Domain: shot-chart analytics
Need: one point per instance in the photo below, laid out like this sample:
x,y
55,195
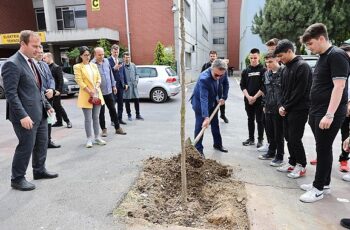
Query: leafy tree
x,y
288,19
73,54
106,45
164,56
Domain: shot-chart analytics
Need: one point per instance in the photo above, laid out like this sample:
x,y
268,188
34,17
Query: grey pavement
x,y
93,181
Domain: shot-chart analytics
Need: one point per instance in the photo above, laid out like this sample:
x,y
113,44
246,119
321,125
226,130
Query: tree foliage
x,y
106,45
288,19
164,56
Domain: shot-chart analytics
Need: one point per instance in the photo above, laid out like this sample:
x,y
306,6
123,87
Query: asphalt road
x,y
92,181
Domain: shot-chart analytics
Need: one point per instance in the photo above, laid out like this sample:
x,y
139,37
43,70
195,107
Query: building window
x,y
187,11
218,0
218,41
188,60
40,19
218,20
80,14
204,32
65,18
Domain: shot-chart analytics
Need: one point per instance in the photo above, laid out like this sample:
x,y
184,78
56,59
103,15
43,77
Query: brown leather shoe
x,y
104,133
120,131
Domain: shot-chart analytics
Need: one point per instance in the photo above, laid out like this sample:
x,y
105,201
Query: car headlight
x,y
65,80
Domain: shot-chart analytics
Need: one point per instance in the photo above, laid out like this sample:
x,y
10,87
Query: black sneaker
x,y
259,144
224,118
248,142
266,156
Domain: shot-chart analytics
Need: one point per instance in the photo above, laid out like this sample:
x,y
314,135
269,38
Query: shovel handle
x,y
200,134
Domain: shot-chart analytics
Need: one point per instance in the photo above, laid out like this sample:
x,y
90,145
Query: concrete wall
x,y
39,3
233,35
219,9
16,16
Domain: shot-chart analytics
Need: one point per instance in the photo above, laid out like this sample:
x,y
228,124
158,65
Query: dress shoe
x,y
122,122
129,118
139,117
22,185
224,118
104,133
120,131
69,125
44,175
52,145
57,125
220,148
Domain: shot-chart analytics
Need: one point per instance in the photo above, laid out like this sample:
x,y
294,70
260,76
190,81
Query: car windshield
x,y
170,71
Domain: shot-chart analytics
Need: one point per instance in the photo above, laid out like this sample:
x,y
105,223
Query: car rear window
x,y
170,71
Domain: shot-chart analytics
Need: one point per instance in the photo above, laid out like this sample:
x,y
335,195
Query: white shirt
x,y
90,72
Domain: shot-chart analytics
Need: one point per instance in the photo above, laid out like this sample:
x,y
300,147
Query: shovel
x,y
197,161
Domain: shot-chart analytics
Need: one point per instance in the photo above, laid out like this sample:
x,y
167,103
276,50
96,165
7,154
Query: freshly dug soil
x,y
215,201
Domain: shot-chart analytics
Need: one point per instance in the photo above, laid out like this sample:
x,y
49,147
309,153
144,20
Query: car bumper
x,y
71,89
174,89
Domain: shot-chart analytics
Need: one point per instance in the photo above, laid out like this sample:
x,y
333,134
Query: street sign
x,y
13,38
95,5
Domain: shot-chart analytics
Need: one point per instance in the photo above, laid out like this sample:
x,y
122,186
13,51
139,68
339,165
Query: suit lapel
x,y
27,68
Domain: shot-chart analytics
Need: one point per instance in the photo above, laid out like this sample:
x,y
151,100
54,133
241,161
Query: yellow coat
x,y
83,80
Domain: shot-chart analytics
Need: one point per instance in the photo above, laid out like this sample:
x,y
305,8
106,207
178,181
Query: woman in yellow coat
x,y
88,78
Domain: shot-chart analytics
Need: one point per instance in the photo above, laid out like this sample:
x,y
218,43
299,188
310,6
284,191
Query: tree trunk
x,y
183,107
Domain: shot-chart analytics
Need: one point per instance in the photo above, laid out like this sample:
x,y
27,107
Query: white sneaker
x,y
264,148
297,172
285,168
99,141
308,187
346,177
311,196
89,143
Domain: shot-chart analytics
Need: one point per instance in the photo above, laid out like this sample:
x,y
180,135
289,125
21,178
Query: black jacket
x,y
57,74
272,90
252,80
206,66
296,84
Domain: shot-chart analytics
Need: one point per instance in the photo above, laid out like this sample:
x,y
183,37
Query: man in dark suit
x,y
119,77
48,88
211,89
27,109
57,74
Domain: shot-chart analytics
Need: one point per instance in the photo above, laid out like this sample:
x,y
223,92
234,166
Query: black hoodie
x,y
252,79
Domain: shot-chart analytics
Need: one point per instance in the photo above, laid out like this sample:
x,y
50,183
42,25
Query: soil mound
x,y
215,201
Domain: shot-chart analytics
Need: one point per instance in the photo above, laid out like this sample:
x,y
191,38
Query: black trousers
x,y
119,100
274,129
293,129
30,141
109,102
60,112
255,112
324,142
344,156
222,110
136,104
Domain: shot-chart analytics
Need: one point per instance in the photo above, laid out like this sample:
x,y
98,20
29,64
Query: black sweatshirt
x,y
253,79
296,84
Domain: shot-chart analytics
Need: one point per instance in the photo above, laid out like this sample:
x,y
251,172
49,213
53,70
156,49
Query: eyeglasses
x,y
86,55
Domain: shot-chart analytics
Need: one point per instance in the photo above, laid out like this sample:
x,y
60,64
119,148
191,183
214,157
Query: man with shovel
x,y
210,91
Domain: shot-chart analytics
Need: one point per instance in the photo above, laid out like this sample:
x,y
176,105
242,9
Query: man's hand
x,y
346,146
115,91
27,122
282,111
264,110
49,93
205,123
126,87
251,100
221,101
325,122
50,112
57,93
348,111
116,66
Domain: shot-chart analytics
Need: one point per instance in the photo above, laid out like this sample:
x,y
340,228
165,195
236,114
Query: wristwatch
x,y
329,116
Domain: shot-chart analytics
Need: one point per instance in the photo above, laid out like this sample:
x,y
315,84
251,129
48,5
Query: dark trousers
x,y
293,128
136,104
109,102
344,156
119,100
60,112
255,112
324,141
215,130
29,141
222,110
274,129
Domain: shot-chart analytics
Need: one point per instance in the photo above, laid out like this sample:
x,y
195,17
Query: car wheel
x,y
159,95
2,93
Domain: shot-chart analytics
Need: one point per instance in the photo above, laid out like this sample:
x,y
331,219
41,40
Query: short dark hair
x,y
255,51
283,46
25,35
213,52
270,55
115,47
126,54
272,42
345,47
314,32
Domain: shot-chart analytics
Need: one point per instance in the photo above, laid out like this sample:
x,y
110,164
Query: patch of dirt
x,y
215,201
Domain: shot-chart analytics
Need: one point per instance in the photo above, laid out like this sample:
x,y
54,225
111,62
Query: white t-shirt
x,y
90,72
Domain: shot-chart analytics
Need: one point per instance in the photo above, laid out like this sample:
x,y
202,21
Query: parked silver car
x,y
70,86
311,60
157,82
